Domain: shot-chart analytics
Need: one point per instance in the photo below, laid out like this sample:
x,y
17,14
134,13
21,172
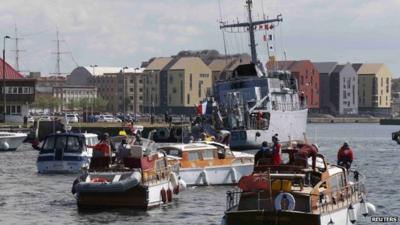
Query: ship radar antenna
x,y
251,26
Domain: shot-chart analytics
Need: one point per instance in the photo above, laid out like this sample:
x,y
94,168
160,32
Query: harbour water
x,y
30,198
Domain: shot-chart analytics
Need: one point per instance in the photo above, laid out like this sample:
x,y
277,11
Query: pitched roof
x,y
338,68
281,65
11,73
356,66
370,68
325,67
186,62
219,64
298,65
101,70
158,63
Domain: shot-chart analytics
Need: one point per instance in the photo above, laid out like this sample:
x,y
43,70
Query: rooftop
x,y
11,73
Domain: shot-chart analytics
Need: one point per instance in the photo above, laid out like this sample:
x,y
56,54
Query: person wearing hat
x,y
345,156
276,150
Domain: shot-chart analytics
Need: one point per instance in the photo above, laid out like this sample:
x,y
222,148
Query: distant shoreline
x,y
332,119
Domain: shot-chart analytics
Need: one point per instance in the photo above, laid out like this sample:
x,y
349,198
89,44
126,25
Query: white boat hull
x,y
289,125
341,216
218,175
11,141
54,167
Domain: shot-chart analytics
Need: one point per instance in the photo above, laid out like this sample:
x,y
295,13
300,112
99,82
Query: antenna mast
x,y
58,54
250,26
17,50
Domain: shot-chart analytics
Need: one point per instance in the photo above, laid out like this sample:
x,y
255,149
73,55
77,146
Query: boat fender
x,y
287,196
371,209
233,175
204,177
182,184
174,180
4,145
169,195
73,190
163,195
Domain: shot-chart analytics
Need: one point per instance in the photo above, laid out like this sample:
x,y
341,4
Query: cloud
x,y
126,32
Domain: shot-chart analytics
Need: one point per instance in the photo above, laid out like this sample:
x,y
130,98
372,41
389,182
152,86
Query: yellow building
x,y
189,82
153,76
374,88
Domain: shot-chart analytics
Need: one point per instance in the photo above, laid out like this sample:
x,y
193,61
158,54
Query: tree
x,y
99,104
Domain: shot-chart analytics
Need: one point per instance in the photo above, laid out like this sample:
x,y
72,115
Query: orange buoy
x,y
169,194
163,195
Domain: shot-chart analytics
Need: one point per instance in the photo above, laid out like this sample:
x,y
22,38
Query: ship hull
x,y
289,125
262,217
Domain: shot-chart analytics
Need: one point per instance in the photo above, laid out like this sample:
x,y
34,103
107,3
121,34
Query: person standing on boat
x,y
123,151
276,150
264,152
345,156
306,151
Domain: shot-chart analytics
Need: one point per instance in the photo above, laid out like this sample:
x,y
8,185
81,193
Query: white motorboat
x,y
146,179
10,141
65,152
210,163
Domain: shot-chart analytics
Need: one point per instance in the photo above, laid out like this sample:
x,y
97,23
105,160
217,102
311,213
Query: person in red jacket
x,y
345,156
276,150
306,151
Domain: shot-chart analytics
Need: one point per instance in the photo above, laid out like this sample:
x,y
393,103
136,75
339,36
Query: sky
x,y
127,32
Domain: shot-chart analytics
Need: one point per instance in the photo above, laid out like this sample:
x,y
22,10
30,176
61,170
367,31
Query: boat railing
x,y
329,200
158,175
264,200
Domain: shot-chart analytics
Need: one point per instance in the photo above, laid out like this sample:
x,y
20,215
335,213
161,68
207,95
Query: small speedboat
x,y
10,141
65,152
210,163
146,179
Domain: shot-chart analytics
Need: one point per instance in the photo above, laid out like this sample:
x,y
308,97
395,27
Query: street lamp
x,y
124,89
93,66
4,77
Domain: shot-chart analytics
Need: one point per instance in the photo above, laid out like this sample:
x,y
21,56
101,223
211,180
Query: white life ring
x,y
284,195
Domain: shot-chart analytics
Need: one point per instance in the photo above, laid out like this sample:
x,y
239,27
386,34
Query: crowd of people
x,y
302,152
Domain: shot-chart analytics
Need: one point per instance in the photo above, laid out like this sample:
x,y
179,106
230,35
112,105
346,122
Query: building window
x,y
174,90
190,82
188,99
182,92
131,81
200,86
171,79
140,89
131,89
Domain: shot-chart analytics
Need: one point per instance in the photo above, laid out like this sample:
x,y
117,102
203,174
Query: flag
x,y
199,112
266,26
204,108
271,27
270,37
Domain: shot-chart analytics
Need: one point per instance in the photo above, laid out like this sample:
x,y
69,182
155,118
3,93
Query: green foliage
x,y
396,85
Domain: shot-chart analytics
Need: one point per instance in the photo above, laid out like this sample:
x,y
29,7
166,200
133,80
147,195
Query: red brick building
x,y
307,76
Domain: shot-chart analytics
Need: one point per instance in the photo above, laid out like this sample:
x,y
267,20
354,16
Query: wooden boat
x,y
65,152
146,179
291,194
210,163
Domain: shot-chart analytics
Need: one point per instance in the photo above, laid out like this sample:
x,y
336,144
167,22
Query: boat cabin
x,y
65,146
327,188
196,155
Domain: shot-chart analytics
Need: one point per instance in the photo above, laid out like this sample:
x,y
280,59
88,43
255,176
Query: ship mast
x,y
250,26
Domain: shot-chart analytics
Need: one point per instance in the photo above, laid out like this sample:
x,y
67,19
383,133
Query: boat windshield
x,y
49,144
73,144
